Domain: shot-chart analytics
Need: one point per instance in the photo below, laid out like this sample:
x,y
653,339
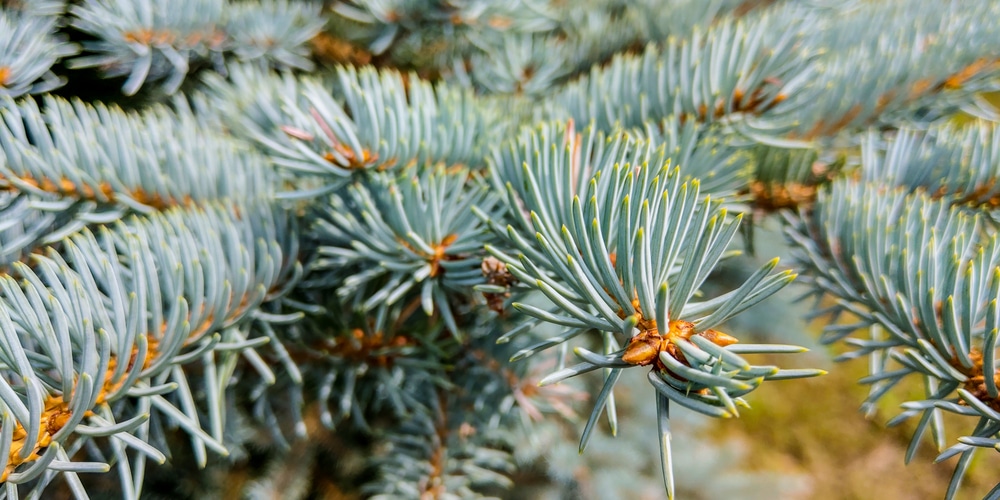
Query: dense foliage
x,y
390,248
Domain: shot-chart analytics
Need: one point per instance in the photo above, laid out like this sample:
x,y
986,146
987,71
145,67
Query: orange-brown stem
x,y
103,193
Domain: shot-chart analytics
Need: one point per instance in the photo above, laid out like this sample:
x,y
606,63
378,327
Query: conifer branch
x,y
389,236
178,301
139,308
75,164
24,227
358,120
621,246
925,71
922,278
414,25
35,7
29,47
517,47
732,69
471,421
140,161
959,163
713,155
448,459
526,65
151,41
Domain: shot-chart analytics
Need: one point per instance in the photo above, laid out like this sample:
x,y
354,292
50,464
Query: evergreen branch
x,y
151,41
273,32
529,65
389,239
431,456
360,366
102,162
584,36
457,442
29,47
592,241
148,41
716,157
866,245
925,273
734,68
449,404
682,17
633,270
362,119
416,24
516,47
960,163
24,227
702,153
923,72
35,7
102,331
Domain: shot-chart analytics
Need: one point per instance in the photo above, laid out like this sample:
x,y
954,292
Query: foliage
x,y
257,255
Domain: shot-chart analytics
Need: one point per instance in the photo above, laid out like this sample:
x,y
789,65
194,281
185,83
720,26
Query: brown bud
x,y
643,349
718,338
496,272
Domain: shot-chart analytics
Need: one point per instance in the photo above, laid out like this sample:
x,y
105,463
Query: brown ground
x,y
813,427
